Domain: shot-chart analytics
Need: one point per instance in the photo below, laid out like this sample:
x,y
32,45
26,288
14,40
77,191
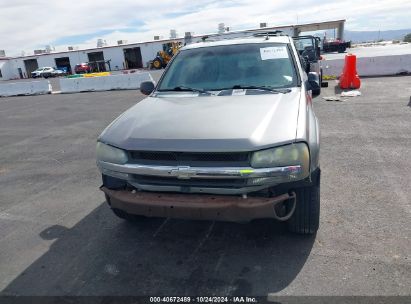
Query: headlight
x,y
290,155
110,154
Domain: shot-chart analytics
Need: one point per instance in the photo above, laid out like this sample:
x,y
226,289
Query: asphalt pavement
x,y
58,236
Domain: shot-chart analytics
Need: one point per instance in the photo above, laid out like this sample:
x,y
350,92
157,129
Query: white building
x,y
131,56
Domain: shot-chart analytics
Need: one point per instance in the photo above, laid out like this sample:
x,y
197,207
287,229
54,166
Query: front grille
x,y
193,182
224,159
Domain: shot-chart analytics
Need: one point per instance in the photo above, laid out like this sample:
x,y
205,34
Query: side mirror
x,y
313,84
146,87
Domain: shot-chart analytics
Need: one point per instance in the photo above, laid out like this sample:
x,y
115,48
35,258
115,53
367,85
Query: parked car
x,y
60,72
47,72
229,133
41,72
54,72
82,68
335,45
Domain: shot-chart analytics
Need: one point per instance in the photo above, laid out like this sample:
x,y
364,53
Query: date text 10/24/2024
x,y
205,299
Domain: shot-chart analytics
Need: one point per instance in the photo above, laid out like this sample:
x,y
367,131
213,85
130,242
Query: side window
x,y
1,75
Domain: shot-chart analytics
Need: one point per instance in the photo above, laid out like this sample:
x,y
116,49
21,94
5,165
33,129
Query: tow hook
x,y
291,197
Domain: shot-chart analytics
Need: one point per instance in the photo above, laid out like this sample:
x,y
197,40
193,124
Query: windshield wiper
x,y
263,88
184,88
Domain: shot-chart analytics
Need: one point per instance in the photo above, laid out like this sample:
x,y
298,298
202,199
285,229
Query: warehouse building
x,y
135,55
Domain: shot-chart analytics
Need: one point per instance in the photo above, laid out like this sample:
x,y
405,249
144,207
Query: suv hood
x,y
188,122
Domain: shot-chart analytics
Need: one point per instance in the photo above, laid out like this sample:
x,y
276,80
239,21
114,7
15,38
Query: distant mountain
x,y
369,36
366,36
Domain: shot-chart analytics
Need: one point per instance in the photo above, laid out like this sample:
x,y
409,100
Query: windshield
x,y
304,44
227,66
39,69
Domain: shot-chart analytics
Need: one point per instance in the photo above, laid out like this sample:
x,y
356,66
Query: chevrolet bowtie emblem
x,y
183,172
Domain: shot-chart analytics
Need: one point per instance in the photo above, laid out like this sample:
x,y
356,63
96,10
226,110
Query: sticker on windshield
x,y
273,52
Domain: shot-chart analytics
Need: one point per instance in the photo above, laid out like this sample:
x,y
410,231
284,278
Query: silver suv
x,y
228,133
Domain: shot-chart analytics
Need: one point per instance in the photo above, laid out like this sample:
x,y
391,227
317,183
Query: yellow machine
x,y
164,56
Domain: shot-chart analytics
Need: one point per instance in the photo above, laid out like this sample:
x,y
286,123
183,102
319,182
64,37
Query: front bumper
x,y
198,206
256,179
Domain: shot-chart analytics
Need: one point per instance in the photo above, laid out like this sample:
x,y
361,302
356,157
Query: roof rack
x,y
270,33
212,38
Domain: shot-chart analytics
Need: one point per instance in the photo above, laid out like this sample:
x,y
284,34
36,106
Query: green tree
x,y
407,38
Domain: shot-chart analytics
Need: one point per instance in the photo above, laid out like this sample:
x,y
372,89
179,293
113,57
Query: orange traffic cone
x,y
349,78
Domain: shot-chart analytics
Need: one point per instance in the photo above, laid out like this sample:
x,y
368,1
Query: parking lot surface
x,y
58,237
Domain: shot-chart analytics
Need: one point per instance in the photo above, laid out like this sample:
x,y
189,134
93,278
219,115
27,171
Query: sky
x,y
26,25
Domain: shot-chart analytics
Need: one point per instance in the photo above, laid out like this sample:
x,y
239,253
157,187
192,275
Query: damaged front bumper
x,y
200,206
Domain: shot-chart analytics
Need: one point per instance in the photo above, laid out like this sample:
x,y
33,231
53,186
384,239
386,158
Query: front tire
x,y
157,64
306,217
341,49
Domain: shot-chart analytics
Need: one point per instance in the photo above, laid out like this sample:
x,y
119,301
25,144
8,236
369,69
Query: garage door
x,y
63,63
132,58
30,65
96,60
